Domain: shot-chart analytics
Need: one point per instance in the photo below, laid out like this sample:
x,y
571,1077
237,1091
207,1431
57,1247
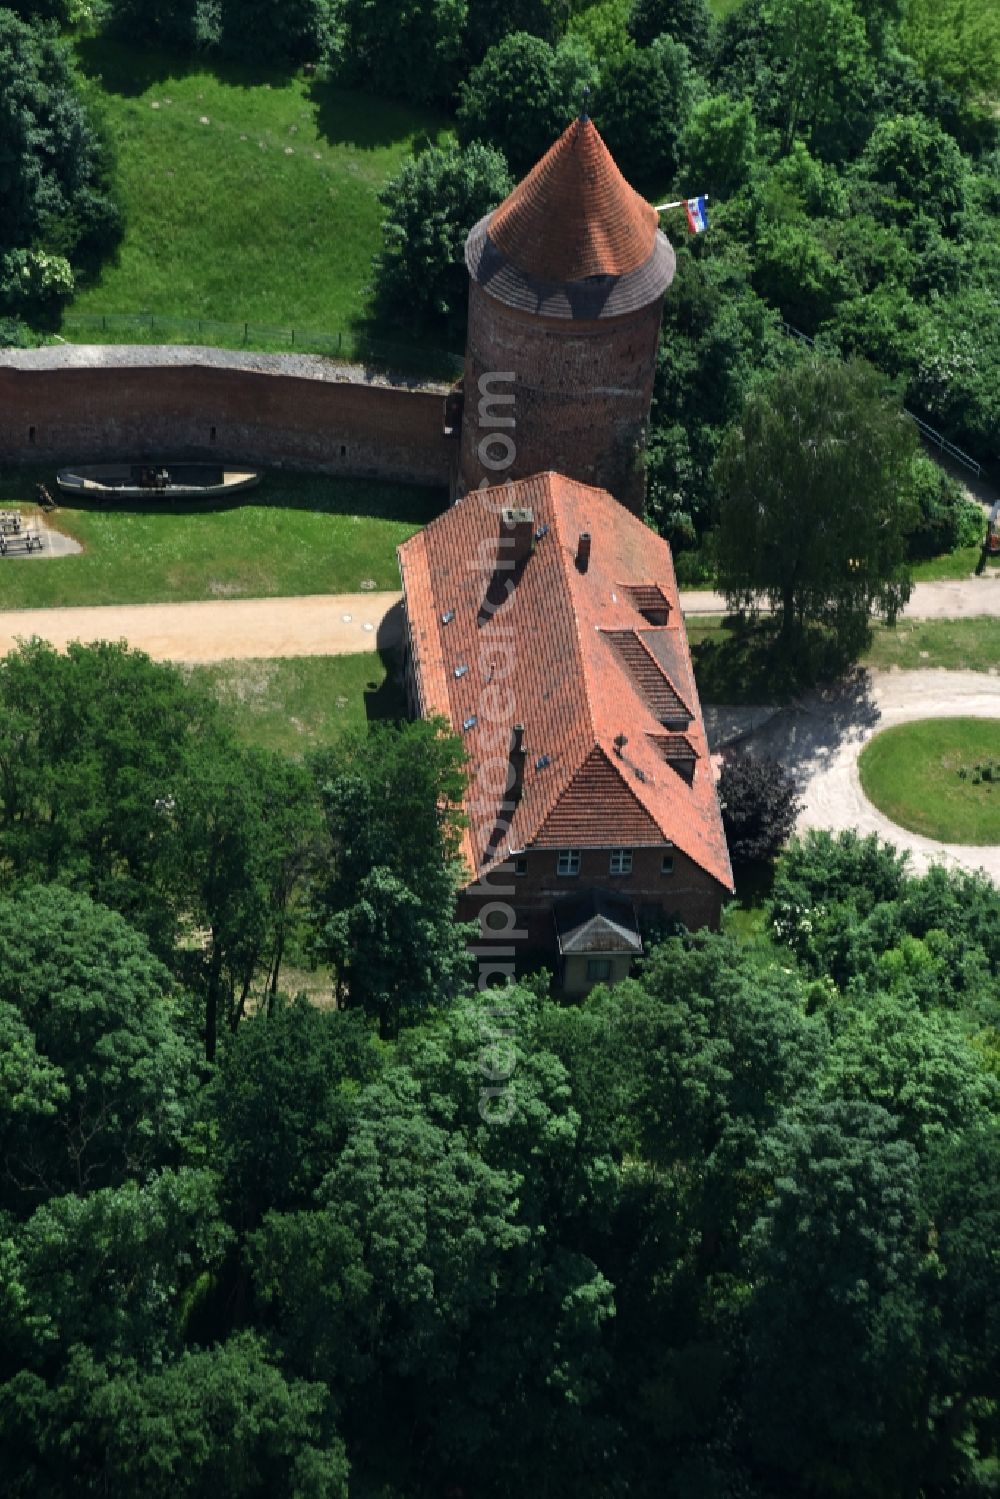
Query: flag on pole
x,y
697,215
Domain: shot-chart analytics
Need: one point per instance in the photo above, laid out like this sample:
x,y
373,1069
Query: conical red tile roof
x,y
574,215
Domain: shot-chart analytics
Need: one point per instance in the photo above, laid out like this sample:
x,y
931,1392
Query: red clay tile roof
x,y
574,215
545,657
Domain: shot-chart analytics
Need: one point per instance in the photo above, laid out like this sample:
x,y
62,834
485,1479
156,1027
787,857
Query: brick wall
x,y
192,410
581,395
688,893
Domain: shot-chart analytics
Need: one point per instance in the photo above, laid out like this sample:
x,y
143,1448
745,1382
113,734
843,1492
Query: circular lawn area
x,y
937,776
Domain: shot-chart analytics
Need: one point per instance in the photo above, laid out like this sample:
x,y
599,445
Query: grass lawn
x,y
957,644
301,703
732,668
247,195
295,534
958,564
911,773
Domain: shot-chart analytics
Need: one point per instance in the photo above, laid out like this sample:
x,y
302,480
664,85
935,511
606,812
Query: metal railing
x,y
345,344
929,433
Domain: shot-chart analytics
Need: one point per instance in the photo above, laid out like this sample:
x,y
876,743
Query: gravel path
x,y
820,737
223,629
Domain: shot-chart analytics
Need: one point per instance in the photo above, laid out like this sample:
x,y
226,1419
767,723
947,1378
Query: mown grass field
x,y
301,703
296,534
911,773
247,195
731,668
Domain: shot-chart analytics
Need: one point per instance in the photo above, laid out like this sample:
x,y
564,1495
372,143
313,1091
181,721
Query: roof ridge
x,y
556,524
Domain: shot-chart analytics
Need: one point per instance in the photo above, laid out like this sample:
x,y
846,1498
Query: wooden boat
x,y
156,481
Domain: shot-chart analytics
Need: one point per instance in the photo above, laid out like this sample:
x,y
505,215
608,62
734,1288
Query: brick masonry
x,y
294,412
582,392
688,893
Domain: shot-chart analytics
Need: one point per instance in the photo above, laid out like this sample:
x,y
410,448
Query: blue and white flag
x,y
697,215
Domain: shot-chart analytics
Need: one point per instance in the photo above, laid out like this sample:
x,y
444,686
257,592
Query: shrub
x,y
419,274
759,807
947,519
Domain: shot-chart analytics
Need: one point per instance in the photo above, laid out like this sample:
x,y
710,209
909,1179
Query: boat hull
x,y
157,482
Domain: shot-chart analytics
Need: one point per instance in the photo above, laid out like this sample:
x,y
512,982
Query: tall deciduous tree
x,y
419,274
835,1323
53,168
641,108
96,1074
957,42
523,95
392,800
816,502
411,49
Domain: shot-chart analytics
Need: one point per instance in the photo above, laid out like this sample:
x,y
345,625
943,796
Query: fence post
x,y
293,338
246,332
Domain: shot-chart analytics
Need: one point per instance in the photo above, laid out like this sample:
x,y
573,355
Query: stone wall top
x,y
161,356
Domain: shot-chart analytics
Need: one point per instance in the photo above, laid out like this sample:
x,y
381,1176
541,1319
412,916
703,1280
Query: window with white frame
x,y
667,864
621,861
568,861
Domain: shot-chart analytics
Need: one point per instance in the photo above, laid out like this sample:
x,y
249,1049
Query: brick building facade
x,y
543,623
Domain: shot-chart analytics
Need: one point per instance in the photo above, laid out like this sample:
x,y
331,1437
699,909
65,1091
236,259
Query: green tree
x,y
919,168
718,146
243,829
816,504
409,49
492,20
956,42
283,1098
282,30
522,96
97,1080
419,274
179,25
221,1422
641,108
392,800
963,1219
687,21
53,168
837,1268
112,1270
827,63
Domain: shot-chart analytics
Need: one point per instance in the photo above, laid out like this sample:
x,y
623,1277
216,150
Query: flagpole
x,y
681,203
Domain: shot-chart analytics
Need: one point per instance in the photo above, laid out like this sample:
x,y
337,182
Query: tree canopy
x,y
815,504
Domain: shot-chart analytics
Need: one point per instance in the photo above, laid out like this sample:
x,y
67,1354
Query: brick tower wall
x,y
582,392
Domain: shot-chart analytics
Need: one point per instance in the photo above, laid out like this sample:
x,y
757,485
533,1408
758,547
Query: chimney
x,y
517,530
515,767
583,551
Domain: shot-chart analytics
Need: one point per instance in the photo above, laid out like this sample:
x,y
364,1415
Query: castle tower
x,y
567,279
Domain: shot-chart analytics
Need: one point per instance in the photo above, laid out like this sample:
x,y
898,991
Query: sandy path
x,y
318,624
961,598
820,737
223,629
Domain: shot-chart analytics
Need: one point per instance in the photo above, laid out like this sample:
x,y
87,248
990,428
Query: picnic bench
x,y
20,542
